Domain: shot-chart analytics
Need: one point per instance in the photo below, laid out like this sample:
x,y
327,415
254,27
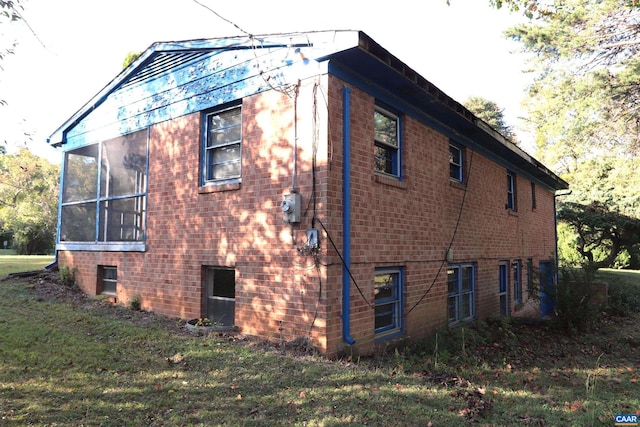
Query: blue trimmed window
x,y
386,142
104,192
511,191
461,305
222,146
388,302
456,165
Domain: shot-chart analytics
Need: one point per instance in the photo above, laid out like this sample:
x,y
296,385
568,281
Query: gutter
x,y
346,217
54,264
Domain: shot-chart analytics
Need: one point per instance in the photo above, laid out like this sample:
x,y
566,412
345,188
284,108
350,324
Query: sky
x,y
71,49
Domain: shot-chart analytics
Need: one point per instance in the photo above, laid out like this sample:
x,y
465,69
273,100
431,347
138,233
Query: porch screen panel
x,y
104,191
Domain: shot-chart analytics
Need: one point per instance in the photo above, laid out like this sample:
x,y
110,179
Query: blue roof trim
x,y
154,70
401,105
373,69
171,79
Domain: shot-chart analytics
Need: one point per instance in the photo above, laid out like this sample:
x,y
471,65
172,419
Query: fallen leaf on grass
x,y
575,406
175,359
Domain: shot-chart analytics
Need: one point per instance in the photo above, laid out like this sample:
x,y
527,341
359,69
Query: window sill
x,y
390,181
461,322
457,184
512,212
387,335
103,247
219,188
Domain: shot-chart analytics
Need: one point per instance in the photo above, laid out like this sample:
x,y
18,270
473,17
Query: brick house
x,y
300,185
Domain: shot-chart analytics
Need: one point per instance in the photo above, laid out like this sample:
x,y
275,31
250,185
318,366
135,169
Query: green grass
x,y
11,263
629,277
78,361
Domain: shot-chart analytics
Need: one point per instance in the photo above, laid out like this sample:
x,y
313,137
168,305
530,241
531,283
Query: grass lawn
x,y
12,263
70,360
630,277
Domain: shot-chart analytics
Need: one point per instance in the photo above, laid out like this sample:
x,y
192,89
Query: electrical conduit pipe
x,y
346,216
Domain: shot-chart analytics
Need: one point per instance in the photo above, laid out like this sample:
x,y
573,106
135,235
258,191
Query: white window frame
x,y
456,293
110,282
456,165
209,149
517,282
512,203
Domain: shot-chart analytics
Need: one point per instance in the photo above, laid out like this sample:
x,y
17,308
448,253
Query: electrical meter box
x,y
291,207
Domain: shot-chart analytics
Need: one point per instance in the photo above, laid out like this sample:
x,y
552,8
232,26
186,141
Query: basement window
x,y
220,295
461,305
107,280
517,282
388,302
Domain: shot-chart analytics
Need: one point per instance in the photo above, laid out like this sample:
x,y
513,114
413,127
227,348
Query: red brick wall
x,y
188,227
410,224
283,294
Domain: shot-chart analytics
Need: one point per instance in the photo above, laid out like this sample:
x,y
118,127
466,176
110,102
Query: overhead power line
x,y
223,18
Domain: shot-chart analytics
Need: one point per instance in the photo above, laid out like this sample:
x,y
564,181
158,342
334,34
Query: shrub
x,y
574,300
624,299
135,303
67,275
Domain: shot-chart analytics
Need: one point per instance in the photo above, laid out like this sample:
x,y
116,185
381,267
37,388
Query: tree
x,y
602,233
536,8
492,114
584,108
586,97
29,201
9,12
130,58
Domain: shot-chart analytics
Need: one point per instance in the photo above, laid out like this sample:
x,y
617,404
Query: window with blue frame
x,y
461,305
104,191
388,302
222,146
456,166
386,142
511,191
